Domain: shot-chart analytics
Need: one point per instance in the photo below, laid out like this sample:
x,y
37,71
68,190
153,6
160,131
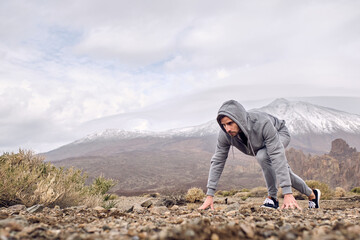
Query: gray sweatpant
x,y
269,172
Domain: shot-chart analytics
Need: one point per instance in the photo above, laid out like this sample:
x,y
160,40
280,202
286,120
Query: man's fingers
x,y
202,207
290,206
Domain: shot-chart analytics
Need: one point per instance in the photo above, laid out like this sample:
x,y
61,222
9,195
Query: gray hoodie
x,y
262,131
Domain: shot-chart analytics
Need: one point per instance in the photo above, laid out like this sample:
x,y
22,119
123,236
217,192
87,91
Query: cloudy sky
x,y
64,63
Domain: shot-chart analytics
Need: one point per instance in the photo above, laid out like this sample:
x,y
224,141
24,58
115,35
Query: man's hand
x,y
290,202
209,202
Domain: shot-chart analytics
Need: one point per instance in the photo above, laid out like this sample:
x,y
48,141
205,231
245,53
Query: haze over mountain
x,y
179,158
198,109
312,128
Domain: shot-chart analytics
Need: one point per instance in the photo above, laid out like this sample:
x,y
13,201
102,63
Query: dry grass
x,y
258,192
194,195
224,193
26,179
339,192
326,192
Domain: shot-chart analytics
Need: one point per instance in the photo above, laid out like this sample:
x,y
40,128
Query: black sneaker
x,y
270,203
315,203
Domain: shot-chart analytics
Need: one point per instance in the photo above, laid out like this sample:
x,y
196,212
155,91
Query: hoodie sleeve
x,y
217,163
276,152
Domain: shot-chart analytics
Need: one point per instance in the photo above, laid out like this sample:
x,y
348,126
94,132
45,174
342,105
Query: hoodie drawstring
x,y
232,147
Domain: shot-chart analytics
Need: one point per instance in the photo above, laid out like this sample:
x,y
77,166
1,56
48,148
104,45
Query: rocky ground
x,y
169,218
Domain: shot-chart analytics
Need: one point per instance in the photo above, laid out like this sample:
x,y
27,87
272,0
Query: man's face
x,y
230,126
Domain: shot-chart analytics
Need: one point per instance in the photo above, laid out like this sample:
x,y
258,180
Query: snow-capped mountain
x,y
301,118
312,128
304,118
209,128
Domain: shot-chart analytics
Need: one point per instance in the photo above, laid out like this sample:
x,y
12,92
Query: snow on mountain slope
x,y
304,118
301,118
206,129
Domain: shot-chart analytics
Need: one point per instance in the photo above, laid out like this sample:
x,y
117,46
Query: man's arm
x,y
217,166
217,163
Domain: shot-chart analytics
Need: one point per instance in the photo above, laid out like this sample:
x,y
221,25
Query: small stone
x,y
3,215
175,207
247,230
17,208
130,209
147,203
290,236
138,209
189,233
35,209
143,235
91,229
231,213
232,207
106,227
159,210
214,236
99,209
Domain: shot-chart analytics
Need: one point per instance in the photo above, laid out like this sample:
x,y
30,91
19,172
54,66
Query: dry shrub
x,y
224,193
26,179
326,192
258,192
192,206
242,195
340,192
194,195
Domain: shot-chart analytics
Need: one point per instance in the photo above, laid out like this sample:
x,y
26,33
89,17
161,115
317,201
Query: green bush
x,y
26,179
355,190
101,185
326,192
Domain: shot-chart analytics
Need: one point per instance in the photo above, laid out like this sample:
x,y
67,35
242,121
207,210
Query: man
x,y
264,136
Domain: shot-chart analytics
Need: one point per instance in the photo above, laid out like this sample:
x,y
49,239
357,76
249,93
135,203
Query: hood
x,y
236,112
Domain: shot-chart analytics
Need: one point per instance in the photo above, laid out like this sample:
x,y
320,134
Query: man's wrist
x,y
210,192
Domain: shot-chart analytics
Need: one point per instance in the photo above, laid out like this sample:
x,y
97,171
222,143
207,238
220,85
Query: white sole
x,y
318,199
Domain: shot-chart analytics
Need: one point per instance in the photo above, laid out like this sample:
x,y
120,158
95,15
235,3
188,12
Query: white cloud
x,y
64,63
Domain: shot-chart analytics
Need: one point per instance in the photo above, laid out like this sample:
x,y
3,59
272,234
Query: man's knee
x,y
262,157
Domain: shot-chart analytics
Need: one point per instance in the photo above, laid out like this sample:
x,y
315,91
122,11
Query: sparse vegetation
x,y
194,195
258,192
101,185
340,192
224,193
244,190
355,190
27,179
326,192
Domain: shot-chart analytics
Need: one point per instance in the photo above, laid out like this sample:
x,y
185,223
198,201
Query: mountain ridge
x,y
302,118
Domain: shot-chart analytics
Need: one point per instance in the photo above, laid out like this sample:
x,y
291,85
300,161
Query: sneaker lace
x,y
268,201
312,204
